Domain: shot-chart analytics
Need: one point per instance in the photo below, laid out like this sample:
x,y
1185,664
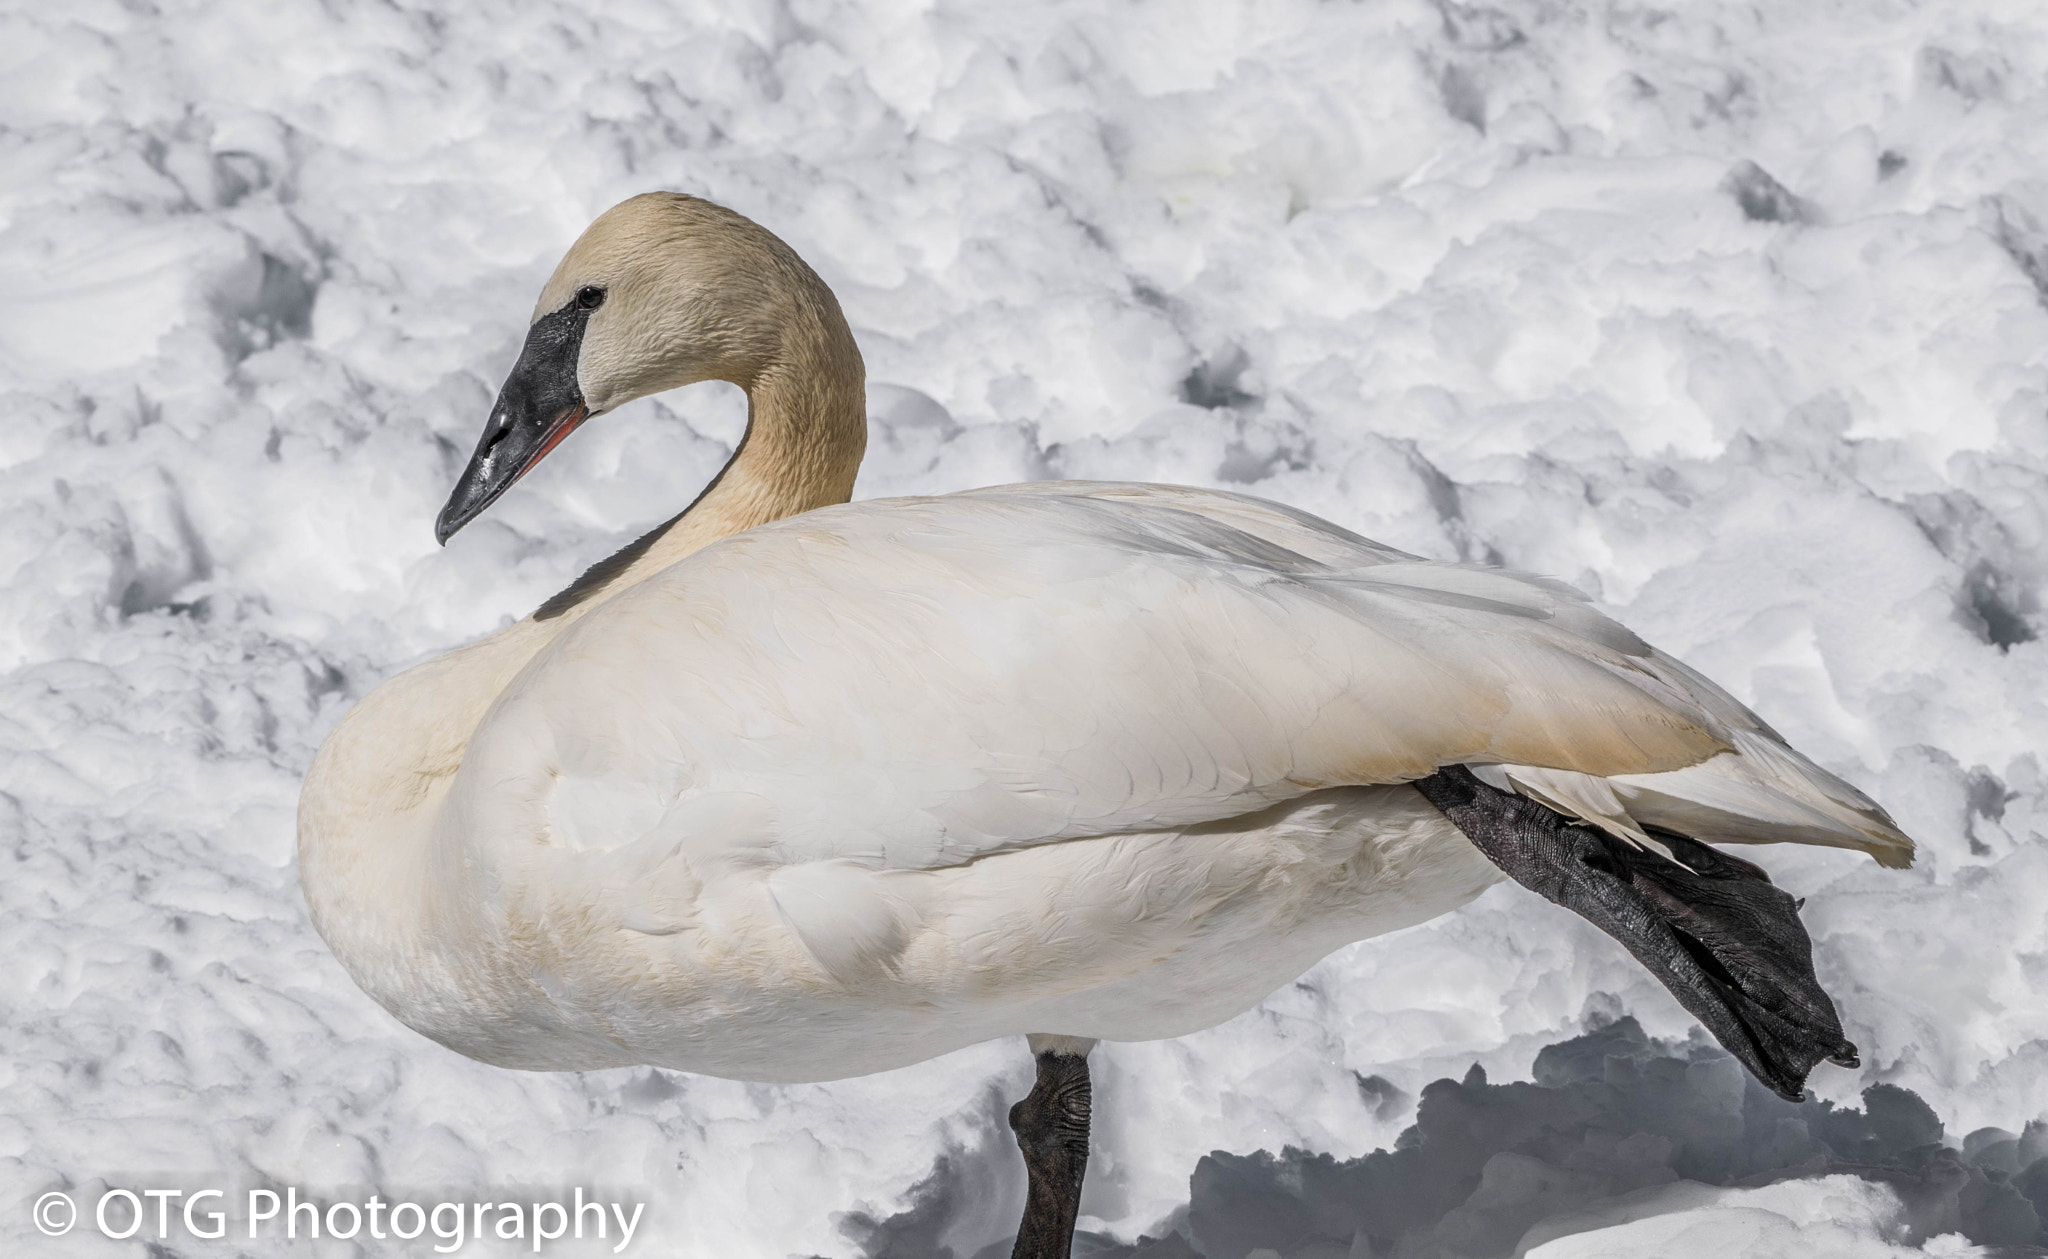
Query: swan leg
x,y
1052,1129
1713,930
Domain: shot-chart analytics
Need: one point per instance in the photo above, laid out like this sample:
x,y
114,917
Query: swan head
x,y
662,290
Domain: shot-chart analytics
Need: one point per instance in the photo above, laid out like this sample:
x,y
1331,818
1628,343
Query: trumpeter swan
x,y
797,789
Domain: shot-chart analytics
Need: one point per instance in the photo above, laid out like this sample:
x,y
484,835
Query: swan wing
x,y
912,684
1758,791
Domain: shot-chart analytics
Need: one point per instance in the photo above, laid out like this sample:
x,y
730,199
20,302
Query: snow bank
x,y
1731,315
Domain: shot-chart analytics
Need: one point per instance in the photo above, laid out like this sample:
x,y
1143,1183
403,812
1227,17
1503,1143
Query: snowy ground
x,y
1731,314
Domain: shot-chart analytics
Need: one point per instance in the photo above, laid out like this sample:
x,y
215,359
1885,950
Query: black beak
x,y
540,404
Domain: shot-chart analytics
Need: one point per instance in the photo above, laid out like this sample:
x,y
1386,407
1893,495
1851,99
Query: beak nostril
x,y
539,404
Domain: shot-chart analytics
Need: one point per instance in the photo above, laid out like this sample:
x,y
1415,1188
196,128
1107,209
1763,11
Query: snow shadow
x,y
1609,1114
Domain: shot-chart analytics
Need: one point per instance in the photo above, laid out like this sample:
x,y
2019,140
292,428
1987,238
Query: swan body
x,y
801,789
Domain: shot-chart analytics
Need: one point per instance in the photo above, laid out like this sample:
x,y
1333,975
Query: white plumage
x,y
817,796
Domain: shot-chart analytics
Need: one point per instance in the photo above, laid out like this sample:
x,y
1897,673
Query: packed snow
x,y
1731,315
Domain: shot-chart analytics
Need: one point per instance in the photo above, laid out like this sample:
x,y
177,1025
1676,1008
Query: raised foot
x,y
1052,1130
1709,926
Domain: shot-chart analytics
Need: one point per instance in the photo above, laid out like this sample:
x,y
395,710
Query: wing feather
x,y
913,684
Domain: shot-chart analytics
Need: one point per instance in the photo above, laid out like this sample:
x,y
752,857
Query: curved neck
x,y
806,432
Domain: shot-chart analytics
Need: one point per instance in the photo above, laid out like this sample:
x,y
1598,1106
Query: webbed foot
x,y
1709,926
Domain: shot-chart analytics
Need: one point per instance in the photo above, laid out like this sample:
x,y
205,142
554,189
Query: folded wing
x,y
913,684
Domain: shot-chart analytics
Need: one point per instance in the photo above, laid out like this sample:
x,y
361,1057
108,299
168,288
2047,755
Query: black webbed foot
x,y
1713,930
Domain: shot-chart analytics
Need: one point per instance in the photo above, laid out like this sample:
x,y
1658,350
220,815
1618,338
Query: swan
x,y
794,788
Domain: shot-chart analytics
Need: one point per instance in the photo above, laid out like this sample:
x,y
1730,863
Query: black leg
x,y
1713,930
1052,1130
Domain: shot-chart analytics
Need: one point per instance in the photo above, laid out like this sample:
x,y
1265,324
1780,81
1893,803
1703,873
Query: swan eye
x,y
590,297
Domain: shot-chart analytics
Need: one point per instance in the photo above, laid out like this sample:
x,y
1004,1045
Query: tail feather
x,y
1762,792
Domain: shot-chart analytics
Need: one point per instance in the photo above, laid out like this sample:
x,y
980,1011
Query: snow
x,y
1731,315
1833,1215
